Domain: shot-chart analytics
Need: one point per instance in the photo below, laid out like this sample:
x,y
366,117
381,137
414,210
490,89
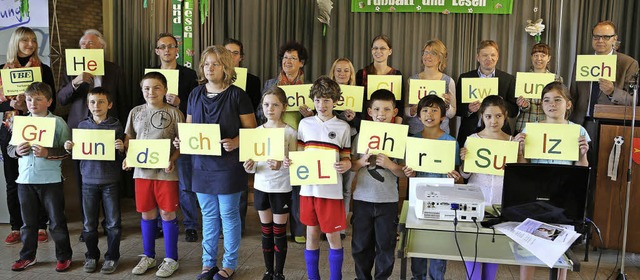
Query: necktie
x,y
595,93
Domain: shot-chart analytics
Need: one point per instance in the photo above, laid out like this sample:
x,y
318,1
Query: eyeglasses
x,y
292,58
602,37
164,47
375,49
431,53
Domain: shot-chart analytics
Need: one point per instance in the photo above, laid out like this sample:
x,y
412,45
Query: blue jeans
x,y
374,238
91,197
437,268
188,199
51,197
220,209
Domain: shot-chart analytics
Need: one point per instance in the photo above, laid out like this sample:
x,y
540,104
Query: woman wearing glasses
x,y
434,61
380,51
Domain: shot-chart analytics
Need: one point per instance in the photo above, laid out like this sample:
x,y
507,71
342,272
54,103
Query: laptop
x,y
549,193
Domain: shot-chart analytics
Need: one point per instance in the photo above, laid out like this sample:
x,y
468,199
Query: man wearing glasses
x,y
586,94
74,93
167,51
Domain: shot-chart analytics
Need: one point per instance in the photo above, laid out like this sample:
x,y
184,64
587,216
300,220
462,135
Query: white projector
x,y
444,202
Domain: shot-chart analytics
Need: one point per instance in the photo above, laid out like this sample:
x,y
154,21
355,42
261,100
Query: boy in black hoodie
x,y
101,181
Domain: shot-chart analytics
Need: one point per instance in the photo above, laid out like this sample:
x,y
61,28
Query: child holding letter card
x,y
431,112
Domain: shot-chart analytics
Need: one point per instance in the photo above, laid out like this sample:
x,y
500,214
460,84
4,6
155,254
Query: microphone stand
x,y
633,85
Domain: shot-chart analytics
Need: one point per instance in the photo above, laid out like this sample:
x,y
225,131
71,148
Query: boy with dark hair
x,y
40,183
322,206
375,199
431,112
101,183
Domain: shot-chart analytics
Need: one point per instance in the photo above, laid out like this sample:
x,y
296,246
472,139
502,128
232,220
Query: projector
x,y
443,202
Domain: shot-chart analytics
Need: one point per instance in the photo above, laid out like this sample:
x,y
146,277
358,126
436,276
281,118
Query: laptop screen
x,y
548,193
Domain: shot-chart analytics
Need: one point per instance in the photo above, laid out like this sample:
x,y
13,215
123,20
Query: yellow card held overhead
x,y
313,167
530,85
476,89
552,141
15,81
172,76
594,67
261,144
200,139
93,144
428,155
297,95
421,88
87,60
35,130
391,82
488,156
241,78
351,98
386,138
149,153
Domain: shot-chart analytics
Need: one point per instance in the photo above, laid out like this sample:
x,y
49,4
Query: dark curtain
x,y
264,25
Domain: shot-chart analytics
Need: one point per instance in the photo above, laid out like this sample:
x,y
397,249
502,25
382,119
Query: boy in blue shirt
x,y
40,183
431,112
101,182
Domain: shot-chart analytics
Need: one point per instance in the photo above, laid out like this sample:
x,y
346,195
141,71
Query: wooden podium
x,y
609,197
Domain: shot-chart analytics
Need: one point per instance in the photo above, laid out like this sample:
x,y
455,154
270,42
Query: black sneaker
x,y
278,276
267,276
191,235
159,234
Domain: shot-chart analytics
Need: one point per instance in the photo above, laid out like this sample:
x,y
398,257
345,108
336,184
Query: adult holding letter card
x,y
15,81
85,60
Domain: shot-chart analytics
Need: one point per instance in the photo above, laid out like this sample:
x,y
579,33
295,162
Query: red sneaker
x,y
43,236
21,265
12,238
63,266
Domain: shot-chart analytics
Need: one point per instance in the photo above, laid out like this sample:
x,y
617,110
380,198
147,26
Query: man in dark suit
x,y
487,56
253,90
586,94
74,93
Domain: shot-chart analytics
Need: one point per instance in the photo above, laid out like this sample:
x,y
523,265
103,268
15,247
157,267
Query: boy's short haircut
x,y
39,88
154,75
325,87
432,100
99,91
383,95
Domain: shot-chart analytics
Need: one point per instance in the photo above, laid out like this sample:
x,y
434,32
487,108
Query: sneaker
x,y
159,234
278,276
12,238
300,239
21,265
167,268
90,265
144,264
109,266
208,274
191,235
43,236
63,266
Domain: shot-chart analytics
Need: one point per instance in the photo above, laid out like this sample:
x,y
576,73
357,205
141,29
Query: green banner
x,y
187,39
433,6
176,26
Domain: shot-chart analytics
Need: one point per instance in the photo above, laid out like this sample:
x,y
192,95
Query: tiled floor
x,y
251,263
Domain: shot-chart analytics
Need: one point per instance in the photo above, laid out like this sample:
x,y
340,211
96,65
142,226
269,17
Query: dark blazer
x,y
253,90
580,91
469,123
112,81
